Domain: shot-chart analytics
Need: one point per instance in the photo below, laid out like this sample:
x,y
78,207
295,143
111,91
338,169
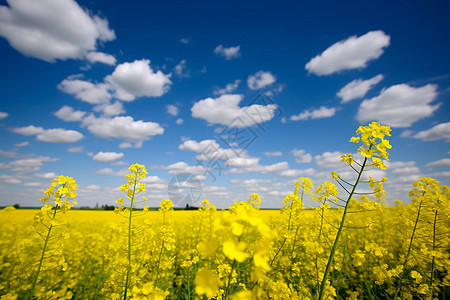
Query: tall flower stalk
x,y
131,189
62,189
373,146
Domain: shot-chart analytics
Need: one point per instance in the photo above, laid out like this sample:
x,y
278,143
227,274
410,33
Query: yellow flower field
x,y
350,246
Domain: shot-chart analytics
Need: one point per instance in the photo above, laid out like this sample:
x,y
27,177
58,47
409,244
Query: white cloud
x,y
437,132
225,109
68,114
10,179
75,149
297,173
441,174
137,79
399,105
93,93
3,115
23,144
243,165
101,57
28,130
185,40
329,160
55,135
275,153
406,170
172,110
181,69
445,162
153,179
179,121
183,168
358,88
107,156
125,145
29,165
322,112
109,171
110,110
228,53
51,30
301,157
210,150
352,53
229,88
242,162
48,175
7,153
123,127
260,80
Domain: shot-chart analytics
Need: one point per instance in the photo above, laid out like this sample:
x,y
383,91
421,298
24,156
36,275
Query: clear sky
x,y
224,97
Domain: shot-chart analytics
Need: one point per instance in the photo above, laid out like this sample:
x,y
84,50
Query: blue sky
x,y
231,97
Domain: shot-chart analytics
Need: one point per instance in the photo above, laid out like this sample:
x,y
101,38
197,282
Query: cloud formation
x,y
228,53
399,105
225,110
358,88
352,53
51,30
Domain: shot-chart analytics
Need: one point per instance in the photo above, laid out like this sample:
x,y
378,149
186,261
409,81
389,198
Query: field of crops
x,y
350,246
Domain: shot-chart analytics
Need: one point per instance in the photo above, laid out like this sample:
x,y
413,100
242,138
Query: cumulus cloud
x,y
399,105
183,168
101,57
48,175
248,165
352,53
437,132
275,153
301,157
358,88
51,30
3,115
181,69
137,79
122,127
93,93
110,109
68,114
75,149
29,165
185,40
109,171
172,110
229,88
107,156
228,53
297,173
445,162
179,121
55,135
329,160
260,80
225,109
210,150
322,112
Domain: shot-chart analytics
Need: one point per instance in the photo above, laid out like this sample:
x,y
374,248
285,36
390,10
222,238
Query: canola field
x,y
350,246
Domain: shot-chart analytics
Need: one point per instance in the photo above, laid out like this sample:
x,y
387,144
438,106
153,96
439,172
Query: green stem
x,y
42,255
229,279
433,262
129,238
341,226
409,249
159,262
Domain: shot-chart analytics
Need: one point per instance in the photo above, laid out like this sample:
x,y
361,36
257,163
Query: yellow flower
x,y
206,283
235,252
